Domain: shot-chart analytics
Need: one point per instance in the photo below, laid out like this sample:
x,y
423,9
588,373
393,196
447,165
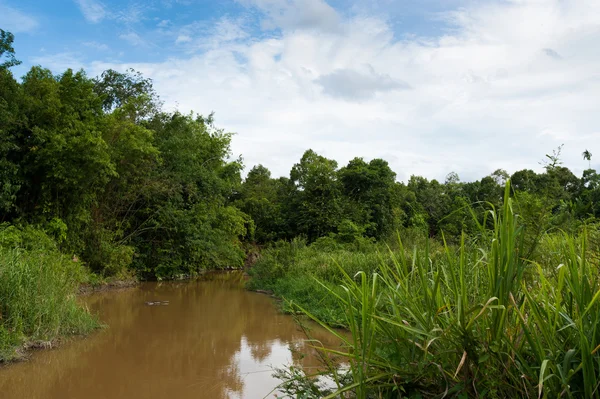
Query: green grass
x,y
477,319
37,299
305,274
291,271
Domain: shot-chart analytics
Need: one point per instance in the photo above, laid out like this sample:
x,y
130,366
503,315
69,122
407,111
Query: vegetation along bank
x,y
486,288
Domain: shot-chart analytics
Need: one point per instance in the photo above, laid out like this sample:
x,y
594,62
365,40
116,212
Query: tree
x,y
588,201
115,220
587,156
452,179
189,223
559,184
432,201
500,176
7,51
95,164
486,191
131,88
319,193
524,180
258,198
370,195
11,117
64,159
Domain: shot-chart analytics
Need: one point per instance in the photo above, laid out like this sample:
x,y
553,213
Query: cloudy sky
x,y
432,86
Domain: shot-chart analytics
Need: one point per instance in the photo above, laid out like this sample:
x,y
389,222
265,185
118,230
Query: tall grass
x,y
289,270
37,299
481,321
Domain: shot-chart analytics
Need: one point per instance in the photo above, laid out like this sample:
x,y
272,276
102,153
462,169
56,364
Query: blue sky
x,y
146,31
109,30
431,86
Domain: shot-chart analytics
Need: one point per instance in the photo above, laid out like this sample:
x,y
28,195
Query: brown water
x,y
213,340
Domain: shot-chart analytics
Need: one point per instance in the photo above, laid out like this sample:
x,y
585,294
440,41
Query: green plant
x,y
37,298
480,321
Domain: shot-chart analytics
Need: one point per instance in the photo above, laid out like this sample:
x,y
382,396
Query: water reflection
x,y
213,340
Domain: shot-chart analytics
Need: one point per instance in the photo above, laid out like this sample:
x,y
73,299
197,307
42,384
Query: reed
x,y
37,300
483,320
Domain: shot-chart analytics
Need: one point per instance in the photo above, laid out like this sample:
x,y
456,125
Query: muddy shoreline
x,y
86,289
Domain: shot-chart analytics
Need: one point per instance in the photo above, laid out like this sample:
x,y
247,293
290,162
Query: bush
x,y
481,321
37,291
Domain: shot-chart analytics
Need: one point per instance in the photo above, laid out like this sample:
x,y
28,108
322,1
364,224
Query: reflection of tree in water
x,y
185,350
260,351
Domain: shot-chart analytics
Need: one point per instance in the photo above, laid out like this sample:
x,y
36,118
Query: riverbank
x,y
109,285
214,340
52,278
499,314
304,276
38,303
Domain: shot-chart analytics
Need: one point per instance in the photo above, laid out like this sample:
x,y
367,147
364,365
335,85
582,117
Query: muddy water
x,y
213,340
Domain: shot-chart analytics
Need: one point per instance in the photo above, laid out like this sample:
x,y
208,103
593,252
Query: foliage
x,y
486,279
289,269
7,50
37,291
112,178
480,320
99,166
188,224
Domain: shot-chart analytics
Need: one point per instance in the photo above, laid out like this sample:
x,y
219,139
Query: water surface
x,y
212,340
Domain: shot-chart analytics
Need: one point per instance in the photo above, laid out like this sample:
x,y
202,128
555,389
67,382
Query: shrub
x,y
37,291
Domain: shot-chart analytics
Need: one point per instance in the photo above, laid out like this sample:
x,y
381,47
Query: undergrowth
x,y
479,318
38,288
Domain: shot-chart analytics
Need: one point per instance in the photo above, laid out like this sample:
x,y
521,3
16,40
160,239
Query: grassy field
x,y
495,316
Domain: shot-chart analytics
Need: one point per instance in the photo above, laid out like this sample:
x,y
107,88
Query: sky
x,y
431,86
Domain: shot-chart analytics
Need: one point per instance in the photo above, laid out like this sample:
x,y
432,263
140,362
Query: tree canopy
x,y
99,165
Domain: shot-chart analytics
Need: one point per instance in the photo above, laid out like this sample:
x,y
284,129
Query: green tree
x,y
371,198
319,193
553,160
64,160
258,198
131,88
190,223
588,157
11,117
130,191
500,176
588,201
431,199
524,180
7,51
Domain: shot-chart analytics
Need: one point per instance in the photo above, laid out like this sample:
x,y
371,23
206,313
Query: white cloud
x,y
491,93
92,10
354,85
133,38
552,54
96,45
165,23
201,36
16,21
183,39
134,13
60,62
227,30
297,14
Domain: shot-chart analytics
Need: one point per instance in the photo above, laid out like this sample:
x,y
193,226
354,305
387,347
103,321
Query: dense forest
x,y
363,199
98,181
100,168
